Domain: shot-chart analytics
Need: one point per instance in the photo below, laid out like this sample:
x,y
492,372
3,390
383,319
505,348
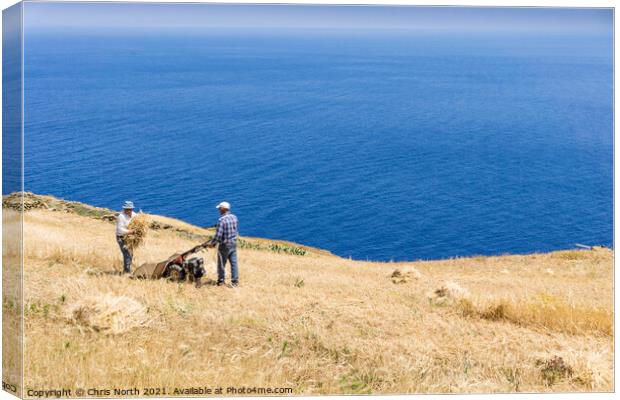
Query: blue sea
x,y
372,144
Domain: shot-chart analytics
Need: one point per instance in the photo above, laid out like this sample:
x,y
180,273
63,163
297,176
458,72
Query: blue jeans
x,y
127,256
227,252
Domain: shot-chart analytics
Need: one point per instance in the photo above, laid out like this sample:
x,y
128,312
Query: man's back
x,y
227,228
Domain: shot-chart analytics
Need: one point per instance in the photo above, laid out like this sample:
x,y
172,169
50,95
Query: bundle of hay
x,y
108,313
405,275
138,226
448,293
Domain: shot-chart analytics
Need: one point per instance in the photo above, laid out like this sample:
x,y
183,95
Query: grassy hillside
x,y
308,320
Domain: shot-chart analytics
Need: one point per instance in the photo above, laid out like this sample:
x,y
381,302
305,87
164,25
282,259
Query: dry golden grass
x,y
316,323
543,311
12,333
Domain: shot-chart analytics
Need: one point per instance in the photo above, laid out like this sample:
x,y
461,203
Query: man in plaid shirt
x,y
226,236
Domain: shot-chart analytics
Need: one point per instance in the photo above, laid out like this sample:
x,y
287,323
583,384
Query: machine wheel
x,y
176,273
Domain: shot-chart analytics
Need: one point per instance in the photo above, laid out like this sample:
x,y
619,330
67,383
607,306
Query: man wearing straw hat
x,y
122,228
226,236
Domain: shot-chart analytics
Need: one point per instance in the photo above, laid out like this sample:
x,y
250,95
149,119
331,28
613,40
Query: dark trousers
x,y
127,256
227,252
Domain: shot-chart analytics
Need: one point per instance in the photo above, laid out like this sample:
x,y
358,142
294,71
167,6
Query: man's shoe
x,y
220,283
234,284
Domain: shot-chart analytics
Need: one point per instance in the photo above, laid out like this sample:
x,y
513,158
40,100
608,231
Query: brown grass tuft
x,y
573,254
496,311
554,369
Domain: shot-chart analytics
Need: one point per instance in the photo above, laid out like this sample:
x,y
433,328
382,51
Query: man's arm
x,y
218,234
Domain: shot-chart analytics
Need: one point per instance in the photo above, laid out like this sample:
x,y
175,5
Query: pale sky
x,y
42,15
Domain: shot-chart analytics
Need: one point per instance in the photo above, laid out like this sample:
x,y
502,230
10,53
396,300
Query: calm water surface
x,y
376,145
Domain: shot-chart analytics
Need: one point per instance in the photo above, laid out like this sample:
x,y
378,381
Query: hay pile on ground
x,y
108,313
138,226
404,275
448,293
